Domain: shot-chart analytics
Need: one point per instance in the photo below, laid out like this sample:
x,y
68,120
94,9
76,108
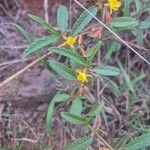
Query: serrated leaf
x,y
74,119
39,43
24,33
80,144
140,142
31,40
74,65
98,109
83,20
126,8
106,70
76,107
123,22
144,25
49,115
44,24
93,51
69,53
63,70
62,97
62,18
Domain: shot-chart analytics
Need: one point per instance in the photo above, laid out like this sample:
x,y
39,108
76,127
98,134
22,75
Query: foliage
x,y
139,142
62,18
77,62
80,144
83,20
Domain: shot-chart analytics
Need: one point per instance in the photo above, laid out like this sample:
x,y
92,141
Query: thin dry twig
x,y
26,139
46,10
30,129
100,138
23,69
5,11
15,61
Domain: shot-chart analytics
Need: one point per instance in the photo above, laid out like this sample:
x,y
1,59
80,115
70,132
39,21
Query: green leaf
x,y
62,18
139,37
39,43
76,106
120,142
126,78
74,119
97,110
44,24
49,115
80,144
62,97
112,86
63,70
123,22
31,40
93,51
140,142
144,25
138,4
24,33
74,65
126,8
107,70
69,53
113,47
138,79
83,20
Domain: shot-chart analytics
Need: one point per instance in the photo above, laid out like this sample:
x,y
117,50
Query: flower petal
x,y
118,4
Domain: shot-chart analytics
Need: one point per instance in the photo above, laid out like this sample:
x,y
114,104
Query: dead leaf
x,y
95,32
108,17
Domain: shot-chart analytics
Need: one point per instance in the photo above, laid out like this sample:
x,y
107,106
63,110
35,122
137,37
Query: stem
x,y
44,61
23,70
101,138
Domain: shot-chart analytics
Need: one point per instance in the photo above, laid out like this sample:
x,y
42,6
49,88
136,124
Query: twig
x,y
7,13
70,14
101,138
30,129
46,10
15,61
26,139
23,70
12,46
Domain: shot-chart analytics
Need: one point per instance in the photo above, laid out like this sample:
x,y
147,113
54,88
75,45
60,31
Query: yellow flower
x,y
70,41
82,75
113,4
